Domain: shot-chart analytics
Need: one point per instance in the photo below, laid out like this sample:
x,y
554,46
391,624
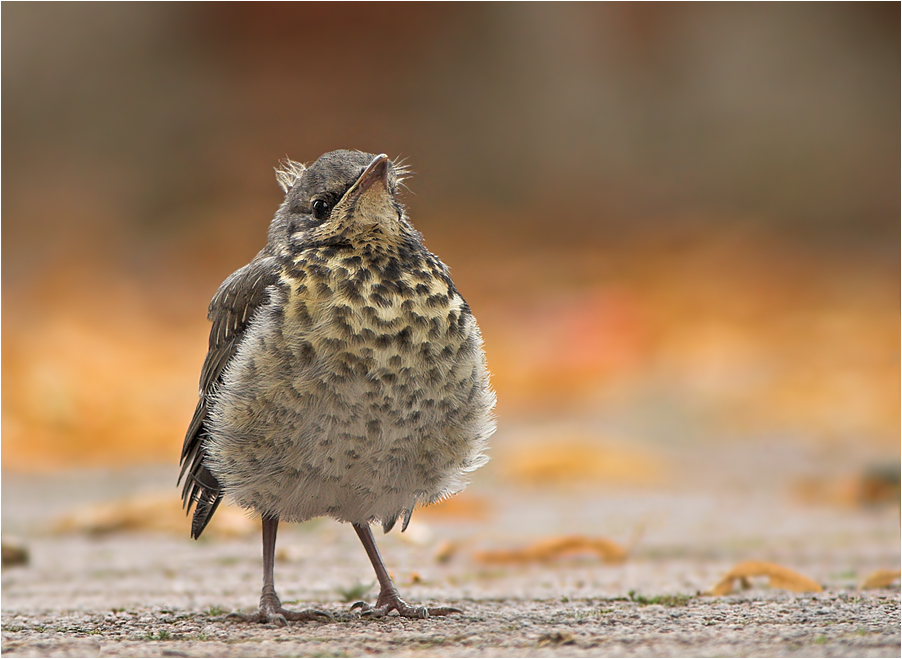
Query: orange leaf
x,y
548,550
780,577
881,579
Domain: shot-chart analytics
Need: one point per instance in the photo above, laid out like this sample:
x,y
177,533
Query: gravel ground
x,y
161,594
831,624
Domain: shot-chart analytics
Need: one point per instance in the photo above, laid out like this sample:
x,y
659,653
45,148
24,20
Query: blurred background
x,y
678,225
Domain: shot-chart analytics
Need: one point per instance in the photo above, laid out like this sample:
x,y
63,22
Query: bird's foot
x,y
272,613
389,601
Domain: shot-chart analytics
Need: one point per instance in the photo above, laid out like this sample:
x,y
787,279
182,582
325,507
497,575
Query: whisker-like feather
x,y
402,173
288,173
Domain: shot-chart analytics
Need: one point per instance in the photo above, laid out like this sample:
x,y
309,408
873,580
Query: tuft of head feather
x,y
288,173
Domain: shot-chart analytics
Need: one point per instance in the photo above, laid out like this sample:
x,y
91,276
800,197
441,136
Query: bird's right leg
x,y
271,610
389,599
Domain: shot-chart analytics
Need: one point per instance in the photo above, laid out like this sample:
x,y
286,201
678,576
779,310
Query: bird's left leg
x,y
271,610
389,599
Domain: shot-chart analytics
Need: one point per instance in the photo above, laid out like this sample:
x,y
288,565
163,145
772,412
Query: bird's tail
x,y
203,513
202,490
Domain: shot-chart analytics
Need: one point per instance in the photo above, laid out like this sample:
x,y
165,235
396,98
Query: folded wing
x,y
231,311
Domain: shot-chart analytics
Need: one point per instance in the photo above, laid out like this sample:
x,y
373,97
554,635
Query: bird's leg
x,y
389,599
271,610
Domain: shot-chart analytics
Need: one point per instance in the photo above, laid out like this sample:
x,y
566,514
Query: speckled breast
x,y
366,387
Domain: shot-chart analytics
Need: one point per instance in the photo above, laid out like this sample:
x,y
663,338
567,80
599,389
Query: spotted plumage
x,y
345,375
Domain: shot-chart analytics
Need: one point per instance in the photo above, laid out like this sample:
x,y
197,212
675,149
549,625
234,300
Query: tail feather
x,y
203,491
203,513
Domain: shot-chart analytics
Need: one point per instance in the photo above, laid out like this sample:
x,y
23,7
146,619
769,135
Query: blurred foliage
x,y
679,220
722,338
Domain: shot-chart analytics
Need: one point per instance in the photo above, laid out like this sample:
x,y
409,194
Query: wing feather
x,y
231,311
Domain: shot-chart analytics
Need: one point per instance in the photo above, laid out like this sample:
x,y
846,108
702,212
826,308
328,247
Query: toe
x,y
373,612
256,616
309,614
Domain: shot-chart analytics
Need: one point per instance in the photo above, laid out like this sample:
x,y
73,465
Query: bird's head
x,y
345,196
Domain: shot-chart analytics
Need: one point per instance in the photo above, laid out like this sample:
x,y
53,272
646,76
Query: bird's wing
x,y
230,311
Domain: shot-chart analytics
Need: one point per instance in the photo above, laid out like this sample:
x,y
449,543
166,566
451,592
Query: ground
x,y
157,593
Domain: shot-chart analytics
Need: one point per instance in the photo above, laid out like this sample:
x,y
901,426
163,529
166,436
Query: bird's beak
x,y
369,199
375,171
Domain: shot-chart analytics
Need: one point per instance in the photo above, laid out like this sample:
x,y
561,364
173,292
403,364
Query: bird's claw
x,y
370,611
384,606
276,615
261,617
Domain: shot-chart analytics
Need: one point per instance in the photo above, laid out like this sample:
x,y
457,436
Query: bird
x,y
345,375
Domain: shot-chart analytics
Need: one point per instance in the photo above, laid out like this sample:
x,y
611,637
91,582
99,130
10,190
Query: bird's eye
x,y
320,209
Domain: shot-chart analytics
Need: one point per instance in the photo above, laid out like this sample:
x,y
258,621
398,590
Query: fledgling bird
x,y
345,375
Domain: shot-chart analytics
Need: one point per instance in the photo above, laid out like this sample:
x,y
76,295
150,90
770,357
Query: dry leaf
x,y
152,512
780,577
881,579
548,550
